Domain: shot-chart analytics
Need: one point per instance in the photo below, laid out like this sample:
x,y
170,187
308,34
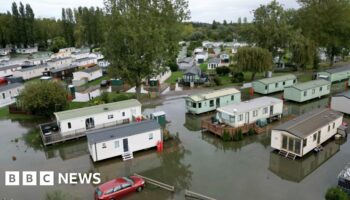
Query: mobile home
x,y
308,90
123,140
29,50
57,63
31,72
337,73
202,103
8,93
274,84
73,124
303,134
344,179
249,112
341,102
7,71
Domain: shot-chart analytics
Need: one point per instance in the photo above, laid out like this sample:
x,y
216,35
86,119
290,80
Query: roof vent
x,y
105,108
112,136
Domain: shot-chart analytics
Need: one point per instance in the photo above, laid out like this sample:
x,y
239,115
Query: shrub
x,y
336,193
226,136
44,98
217,81
223,71
238,77
105,97
238,135
251,131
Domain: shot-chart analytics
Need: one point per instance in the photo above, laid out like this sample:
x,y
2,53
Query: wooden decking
x,y
219,129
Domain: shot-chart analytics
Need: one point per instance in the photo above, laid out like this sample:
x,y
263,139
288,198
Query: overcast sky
x,y
201,10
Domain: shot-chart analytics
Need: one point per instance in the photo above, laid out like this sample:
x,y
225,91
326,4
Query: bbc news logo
x,y
49,178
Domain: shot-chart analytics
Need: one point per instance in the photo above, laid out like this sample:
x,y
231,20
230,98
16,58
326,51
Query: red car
x,y
119,187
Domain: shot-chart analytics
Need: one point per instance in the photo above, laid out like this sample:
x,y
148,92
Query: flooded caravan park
x,y
193,160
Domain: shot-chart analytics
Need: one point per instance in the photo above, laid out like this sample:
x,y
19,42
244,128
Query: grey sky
x,y
201,10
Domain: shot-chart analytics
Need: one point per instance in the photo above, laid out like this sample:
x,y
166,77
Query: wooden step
x,y
127,156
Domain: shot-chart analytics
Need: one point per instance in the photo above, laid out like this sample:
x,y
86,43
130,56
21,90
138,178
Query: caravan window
x,y
232,97
315,137
320,89
305,93
69,125
3,95
150,136
194,105
265,110
104,145
333,125
123,114
329,128
199,105
305,142
110,116
116,144
240,117
255,113
211,103
276,84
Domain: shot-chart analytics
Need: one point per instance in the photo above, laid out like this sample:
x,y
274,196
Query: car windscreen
x,y
98,192
128,179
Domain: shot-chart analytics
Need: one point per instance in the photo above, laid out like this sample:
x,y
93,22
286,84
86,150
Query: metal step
x,y
127,156
283,153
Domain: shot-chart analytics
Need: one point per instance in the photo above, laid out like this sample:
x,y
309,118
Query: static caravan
x,y
213,63
88,74
344,179
31,72
62,73
5,51
341,102
303,134
274,84
202,103
308,90
185,63
123,140
7,71
100,116
8,93
29,50
86,62
57,63
337,73
249,112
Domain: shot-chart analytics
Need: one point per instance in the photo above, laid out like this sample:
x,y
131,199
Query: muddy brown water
x,y
193,160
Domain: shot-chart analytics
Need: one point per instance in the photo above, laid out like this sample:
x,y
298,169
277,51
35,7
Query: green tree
x,y
57,44
254,60
271,29
141,35
327,23
44,98
303,51
336,193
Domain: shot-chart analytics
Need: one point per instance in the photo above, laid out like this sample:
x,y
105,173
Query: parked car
x,y
119,187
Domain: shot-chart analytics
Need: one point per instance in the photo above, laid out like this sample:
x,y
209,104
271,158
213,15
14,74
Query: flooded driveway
x,y
193,160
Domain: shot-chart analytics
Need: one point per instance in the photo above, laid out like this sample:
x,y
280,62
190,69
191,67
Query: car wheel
x,y
139,189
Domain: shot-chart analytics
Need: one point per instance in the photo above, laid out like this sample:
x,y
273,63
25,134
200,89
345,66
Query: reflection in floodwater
x,y
193,122
297,170
157,166
68,150
263,139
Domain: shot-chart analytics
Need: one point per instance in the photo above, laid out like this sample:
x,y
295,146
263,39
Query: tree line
x,y
81,26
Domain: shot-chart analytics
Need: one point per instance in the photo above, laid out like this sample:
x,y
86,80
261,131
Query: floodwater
x,y
193,160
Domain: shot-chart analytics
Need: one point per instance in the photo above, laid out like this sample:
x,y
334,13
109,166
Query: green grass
x,y
97,81
204,67
174,76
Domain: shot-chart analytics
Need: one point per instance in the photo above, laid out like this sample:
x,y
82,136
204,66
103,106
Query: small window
x,y
199,105
320,89
194,105
294,81
315,137
265,110
313,91
211,103
69,125
150,136
232,97
305,93
255,113
104,145
116,144
240,117
305,142
329,128
266,87
284,83
276,84
123,114
110,116
333,125
3,95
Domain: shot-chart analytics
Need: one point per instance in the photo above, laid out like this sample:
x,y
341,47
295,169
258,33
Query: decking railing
x,y
57,136
219,129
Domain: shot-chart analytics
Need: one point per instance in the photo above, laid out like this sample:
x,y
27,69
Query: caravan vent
x,y
112,136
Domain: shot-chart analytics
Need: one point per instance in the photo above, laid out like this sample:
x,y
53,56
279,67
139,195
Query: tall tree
x,y
29,15
328,23
271,29
141,35
254,60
